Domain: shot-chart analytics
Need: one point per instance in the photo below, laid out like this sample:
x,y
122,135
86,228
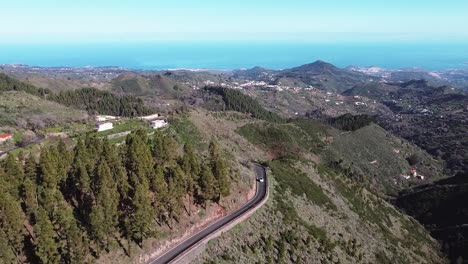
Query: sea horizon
x,y
238,55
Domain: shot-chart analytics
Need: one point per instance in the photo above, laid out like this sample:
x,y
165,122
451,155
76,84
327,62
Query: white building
x,y
150,117
104,126
102,118
158,124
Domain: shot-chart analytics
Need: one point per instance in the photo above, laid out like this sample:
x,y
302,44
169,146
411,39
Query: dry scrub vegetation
x,y
339,222
314,214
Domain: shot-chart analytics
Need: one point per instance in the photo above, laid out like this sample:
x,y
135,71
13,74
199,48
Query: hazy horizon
x,y
211,34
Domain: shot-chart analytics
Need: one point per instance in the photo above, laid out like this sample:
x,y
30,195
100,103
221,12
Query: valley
x,y
353,154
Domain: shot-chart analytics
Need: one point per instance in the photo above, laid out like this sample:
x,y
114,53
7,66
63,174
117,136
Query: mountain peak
x,y
126,76
317,66
322,63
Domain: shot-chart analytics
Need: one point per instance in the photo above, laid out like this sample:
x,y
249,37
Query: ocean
x,y
237,55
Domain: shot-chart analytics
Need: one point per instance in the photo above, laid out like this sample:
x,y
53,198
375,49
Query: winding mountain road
x,y
189,243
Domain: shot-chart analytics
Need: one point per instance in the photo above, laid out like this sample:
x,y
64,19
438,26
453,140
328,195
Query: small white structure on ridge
x,y
150,117
102,118
158,123
104,126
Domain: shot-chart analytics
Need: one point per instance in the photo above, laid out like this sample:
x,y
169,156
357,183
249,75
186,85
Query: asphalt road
x,y
194,239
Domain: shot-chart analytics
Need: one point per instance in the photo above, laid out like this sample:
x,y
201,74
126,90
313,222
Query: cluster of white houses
x,y
155,121
103,123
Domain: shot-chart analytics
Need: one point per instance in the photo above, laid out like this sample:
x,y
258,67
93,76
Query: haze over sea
x,y
236,55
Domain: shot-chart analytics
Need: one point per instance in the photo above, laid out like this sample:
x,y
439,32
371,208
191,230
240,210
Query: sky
x,y
26,21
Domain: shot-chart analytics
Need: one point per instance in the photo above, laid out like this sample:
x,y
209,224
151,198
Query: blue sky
x,y
282,20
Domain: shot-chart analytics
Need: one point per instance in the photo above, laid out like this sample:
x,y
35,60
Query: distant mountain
x,y
317,67
326,76
454,77
319,74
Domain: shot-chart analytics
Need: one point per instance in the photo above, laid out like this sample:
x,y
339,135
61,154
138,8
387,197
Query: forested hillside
x,y
89,99
235,100
351,122
71,206
103,102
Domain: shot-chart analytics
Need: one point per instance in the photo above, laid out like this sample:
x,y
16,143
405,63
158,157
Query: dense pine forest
x,y
351,122
89,99
72,205
103,102
235,100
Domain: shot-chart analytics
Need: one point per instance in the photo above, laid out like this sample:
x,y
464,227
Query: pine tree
x,y
220,171
30,168
66,159
29,187
82,187
111,154
160,194
138,157
46,244
170,149
104,215
176,191
191,168
207,184
139,164
157,149
73,243
7,255
139,222
77,245
93,149
79,182
48,194
11,222
14,175
49,177
29,196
